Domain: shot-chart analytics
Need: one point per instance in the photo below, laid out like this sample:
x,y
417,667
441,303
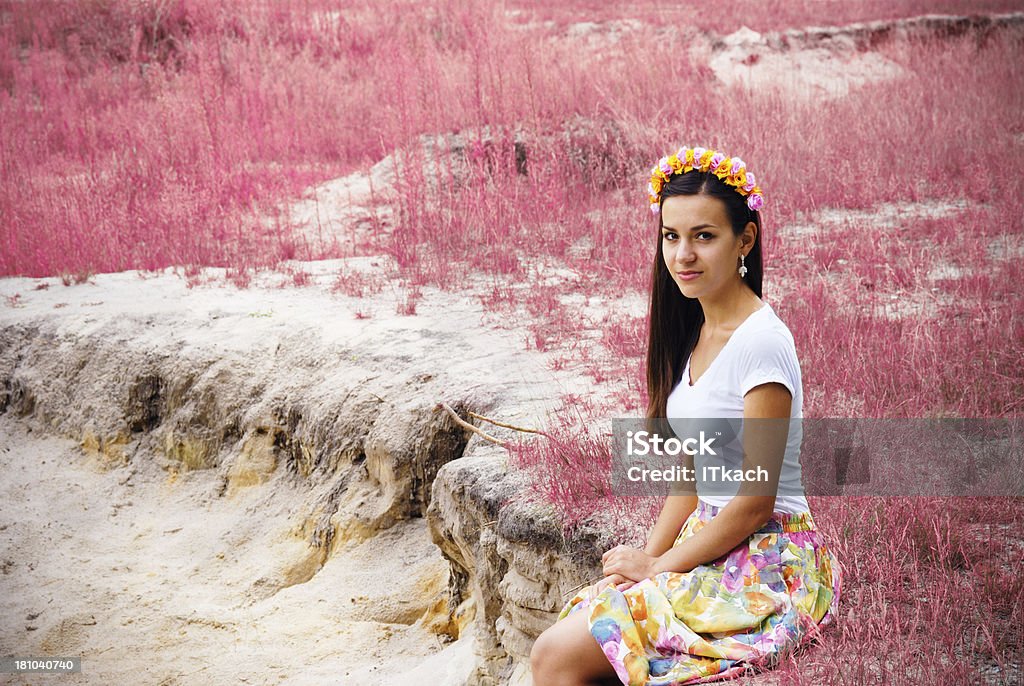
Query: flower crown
x,y
731,170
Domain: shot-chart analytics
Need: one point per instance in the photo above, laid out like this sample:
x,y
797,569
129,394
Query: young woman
x,y
727,579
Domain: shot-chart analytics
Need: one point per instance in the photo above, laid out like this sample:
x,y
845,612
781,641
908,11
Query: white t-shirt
x,y
760,350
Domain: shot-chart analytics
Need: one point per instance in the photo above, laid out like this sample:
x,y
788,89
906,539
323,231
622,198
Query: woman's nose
x,y
684,251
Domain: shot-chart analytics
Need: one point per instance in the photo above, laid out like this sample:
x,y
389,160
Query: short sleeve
x,y
769,356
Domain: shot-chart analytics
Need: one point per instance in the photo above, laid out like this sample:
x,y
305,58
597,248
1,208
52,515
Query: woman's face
x,y
700,250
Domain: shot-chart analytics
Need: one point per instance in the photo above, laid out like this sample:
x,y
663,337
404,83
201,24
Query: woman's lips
x,y
688,276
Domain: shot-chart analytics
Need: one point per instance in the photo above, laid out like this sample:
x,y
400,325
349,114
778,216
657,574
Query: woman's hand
x,y
620,582
630,563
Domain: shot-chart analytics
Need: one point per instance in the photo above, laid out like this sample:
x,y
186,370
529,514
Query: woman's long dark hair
x,y
675,320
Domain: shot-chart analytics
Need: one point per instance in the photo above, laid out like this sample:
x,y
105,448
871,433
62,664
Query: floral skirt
x,y
746,609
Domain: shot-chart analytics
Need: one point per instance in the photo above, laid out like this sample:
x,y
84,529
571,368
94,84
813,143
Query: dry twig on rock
x,y
466,425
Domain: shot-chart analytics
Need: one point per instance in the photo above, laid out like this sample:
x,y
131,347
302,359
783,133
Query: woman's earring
x,y
743,265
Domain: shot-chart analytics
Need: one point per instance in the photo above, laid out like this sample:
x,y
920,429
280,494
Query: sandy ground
x,y
156,582
158,579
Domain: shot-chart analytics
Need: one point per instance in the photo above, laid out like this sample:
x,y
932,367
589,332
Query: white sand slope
x,y
147,581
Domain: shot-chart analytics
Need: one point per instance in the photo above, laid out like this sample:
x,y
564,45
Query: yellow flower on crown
x,y
724,168
739,180
731,170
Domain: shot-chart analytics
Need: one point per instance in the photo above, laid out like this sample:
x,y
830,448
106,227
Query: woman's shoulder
x,y
767,352
766,323
766,334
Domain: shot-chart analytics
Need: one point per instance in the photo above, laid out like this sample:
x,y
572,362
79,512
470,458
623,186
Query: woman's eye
x,y
669,235
705,233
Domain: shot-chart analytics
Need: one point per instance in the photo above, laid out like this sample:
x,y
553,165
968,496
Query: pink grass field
x,y
142,135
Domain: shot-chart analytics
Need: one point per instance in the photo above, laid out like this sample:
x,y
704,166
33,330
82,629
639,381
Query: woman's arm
x,y
764,445
741,517
766,414
674,511
670,522
679,504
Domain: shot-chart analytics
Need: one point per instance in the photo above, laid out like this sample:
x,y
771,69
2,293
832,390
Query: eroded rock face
x,y
345,415
509,560
381,437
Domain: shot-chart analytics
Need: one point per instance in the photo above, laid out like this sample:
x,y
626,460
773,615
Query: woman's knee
x,y
566,652
551,654
542,655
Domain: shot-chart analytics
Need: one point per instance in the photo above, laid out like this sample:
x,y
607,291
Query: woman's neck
x,y
729,309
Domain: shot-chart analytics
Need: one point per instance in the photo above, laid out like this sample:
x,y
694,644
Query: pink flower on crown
x,y
664,166
697,154
716,160
655,208
750,182
755,201
737,164
650,189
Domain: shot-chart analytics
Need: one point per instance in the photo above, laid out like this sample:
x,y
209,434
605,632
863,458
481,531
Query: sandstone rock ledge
x,y
332,420
512,570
